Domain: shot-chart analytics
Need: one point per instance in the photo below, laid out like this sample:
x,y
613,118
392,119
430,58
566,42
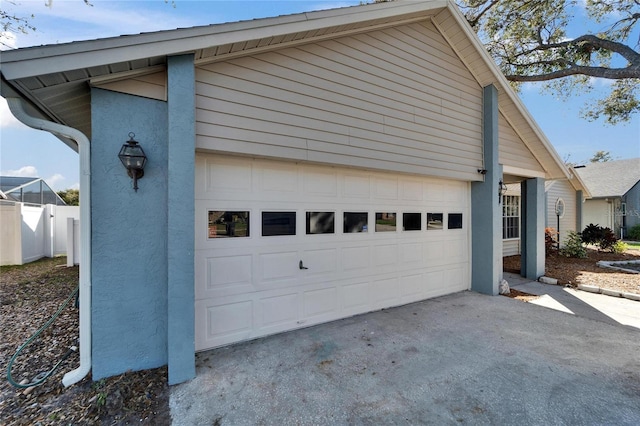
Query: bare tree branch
x,y
573,69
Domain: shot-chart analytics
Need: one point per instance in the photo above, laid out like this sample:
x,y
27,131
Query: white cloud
x,y
6,118
55,180
25,171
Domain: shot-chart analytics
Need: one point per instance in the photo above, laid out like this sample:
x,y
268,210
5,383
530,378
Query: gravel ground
x,y
572,271
29,296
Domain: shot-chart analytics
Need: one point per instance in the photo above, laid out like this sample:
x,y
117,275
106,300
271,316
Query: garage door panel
x,y
278,266
435,283
412,288
320,183
434,252
411,253
454,277
320,262
355,297
357,186
278,312
385,293
278,178
227,175
411,190
321,304
355,258
384,255
385,188
223,323
227,275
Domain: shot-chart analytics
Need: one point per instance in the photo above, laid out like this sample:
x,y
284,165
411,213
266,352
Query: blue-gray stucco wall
x,y
486,211
532,258
129,236
180,208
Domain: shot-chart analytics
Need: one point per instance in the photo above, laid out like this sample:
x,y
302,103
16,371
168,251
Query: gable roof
x,y
62,93
610,178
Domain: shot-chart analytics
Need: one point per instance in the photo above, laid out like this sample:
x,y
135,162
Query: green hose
x,y
41,377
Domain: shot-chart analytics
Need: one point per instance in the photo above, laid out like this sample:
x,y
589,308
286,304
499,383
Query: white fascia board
x,y
504,85
31,62
519,171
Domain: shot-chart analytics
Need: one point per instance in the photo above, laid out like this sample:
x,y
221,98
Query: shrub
x,y
608,240
619,247
634,232
573,246
591,234
603,238
550,240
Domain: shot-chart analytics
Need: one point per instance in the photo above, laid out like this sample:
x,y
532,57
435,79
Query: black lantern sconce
x,y
133,159
502,189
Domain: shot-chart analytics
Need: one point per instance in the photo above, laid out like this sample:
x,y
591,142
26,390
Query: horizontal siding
x,y
562,189
152,86
512,151
396,99
510,247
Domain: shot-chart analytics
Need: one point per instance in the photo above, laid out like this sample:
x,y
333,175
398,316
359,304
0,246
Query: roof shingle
x,y
610,178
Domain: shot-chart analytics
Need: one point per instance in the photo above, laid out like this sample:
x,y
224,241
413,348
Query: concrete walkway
x,y
465,358
599,307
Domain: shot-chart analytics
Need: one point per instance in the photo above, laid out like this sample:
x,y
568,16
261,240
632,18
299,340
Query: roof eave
x,y
500,80
30,62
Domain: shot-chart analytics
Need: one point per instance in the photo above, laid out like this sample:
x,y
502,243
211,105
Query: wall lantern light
x,y
133,159
502,189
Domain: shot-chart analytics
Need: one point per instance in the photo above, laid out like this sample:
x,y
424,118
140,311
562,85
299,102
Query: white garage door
x,y
282,245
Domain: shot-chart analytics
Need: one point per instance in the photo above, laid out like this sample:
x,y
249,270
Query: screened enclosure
x,y
29,190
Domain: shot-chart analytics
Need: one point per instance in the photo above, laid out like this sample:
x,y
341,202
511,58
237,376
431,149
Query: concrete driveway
x,y
463,358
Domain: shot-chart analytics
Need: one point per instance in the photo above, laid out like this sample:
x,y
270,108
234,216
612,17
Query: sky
x,y
27,152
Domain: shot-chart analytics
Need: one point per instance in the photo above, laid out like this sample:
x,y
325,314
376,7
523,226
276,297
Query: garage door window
x,y
455,221
434,221
320,222
355,222
411,221
385,222
226,224
278,223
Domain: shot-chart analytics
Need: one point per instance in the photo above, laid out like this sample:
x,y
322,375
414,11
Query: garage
x,y
284,245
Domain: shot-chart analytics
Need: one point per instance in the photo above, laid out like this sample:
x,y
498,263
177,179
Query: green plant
x,y
602,237
591,234
573,246
634,232
102,399
619,247
550,240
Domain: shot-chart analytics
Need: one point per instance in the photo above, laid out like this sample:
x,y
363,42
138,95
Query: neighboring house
x,y
564,200
29,190
615,190
300,169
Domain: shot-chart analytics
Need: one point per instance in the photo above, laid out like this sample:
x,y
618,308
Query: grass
x,y
633,244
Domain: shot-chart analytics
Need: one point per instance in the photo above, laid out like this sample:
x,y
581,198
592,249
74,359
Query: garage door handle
x,y
301,265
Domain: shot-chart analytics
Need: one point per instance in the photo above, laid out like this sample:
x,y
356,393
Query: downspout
x,y
84,150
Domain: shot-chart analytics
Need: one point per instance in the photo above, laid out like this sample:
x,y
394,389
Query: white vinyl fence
x,y
29,233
